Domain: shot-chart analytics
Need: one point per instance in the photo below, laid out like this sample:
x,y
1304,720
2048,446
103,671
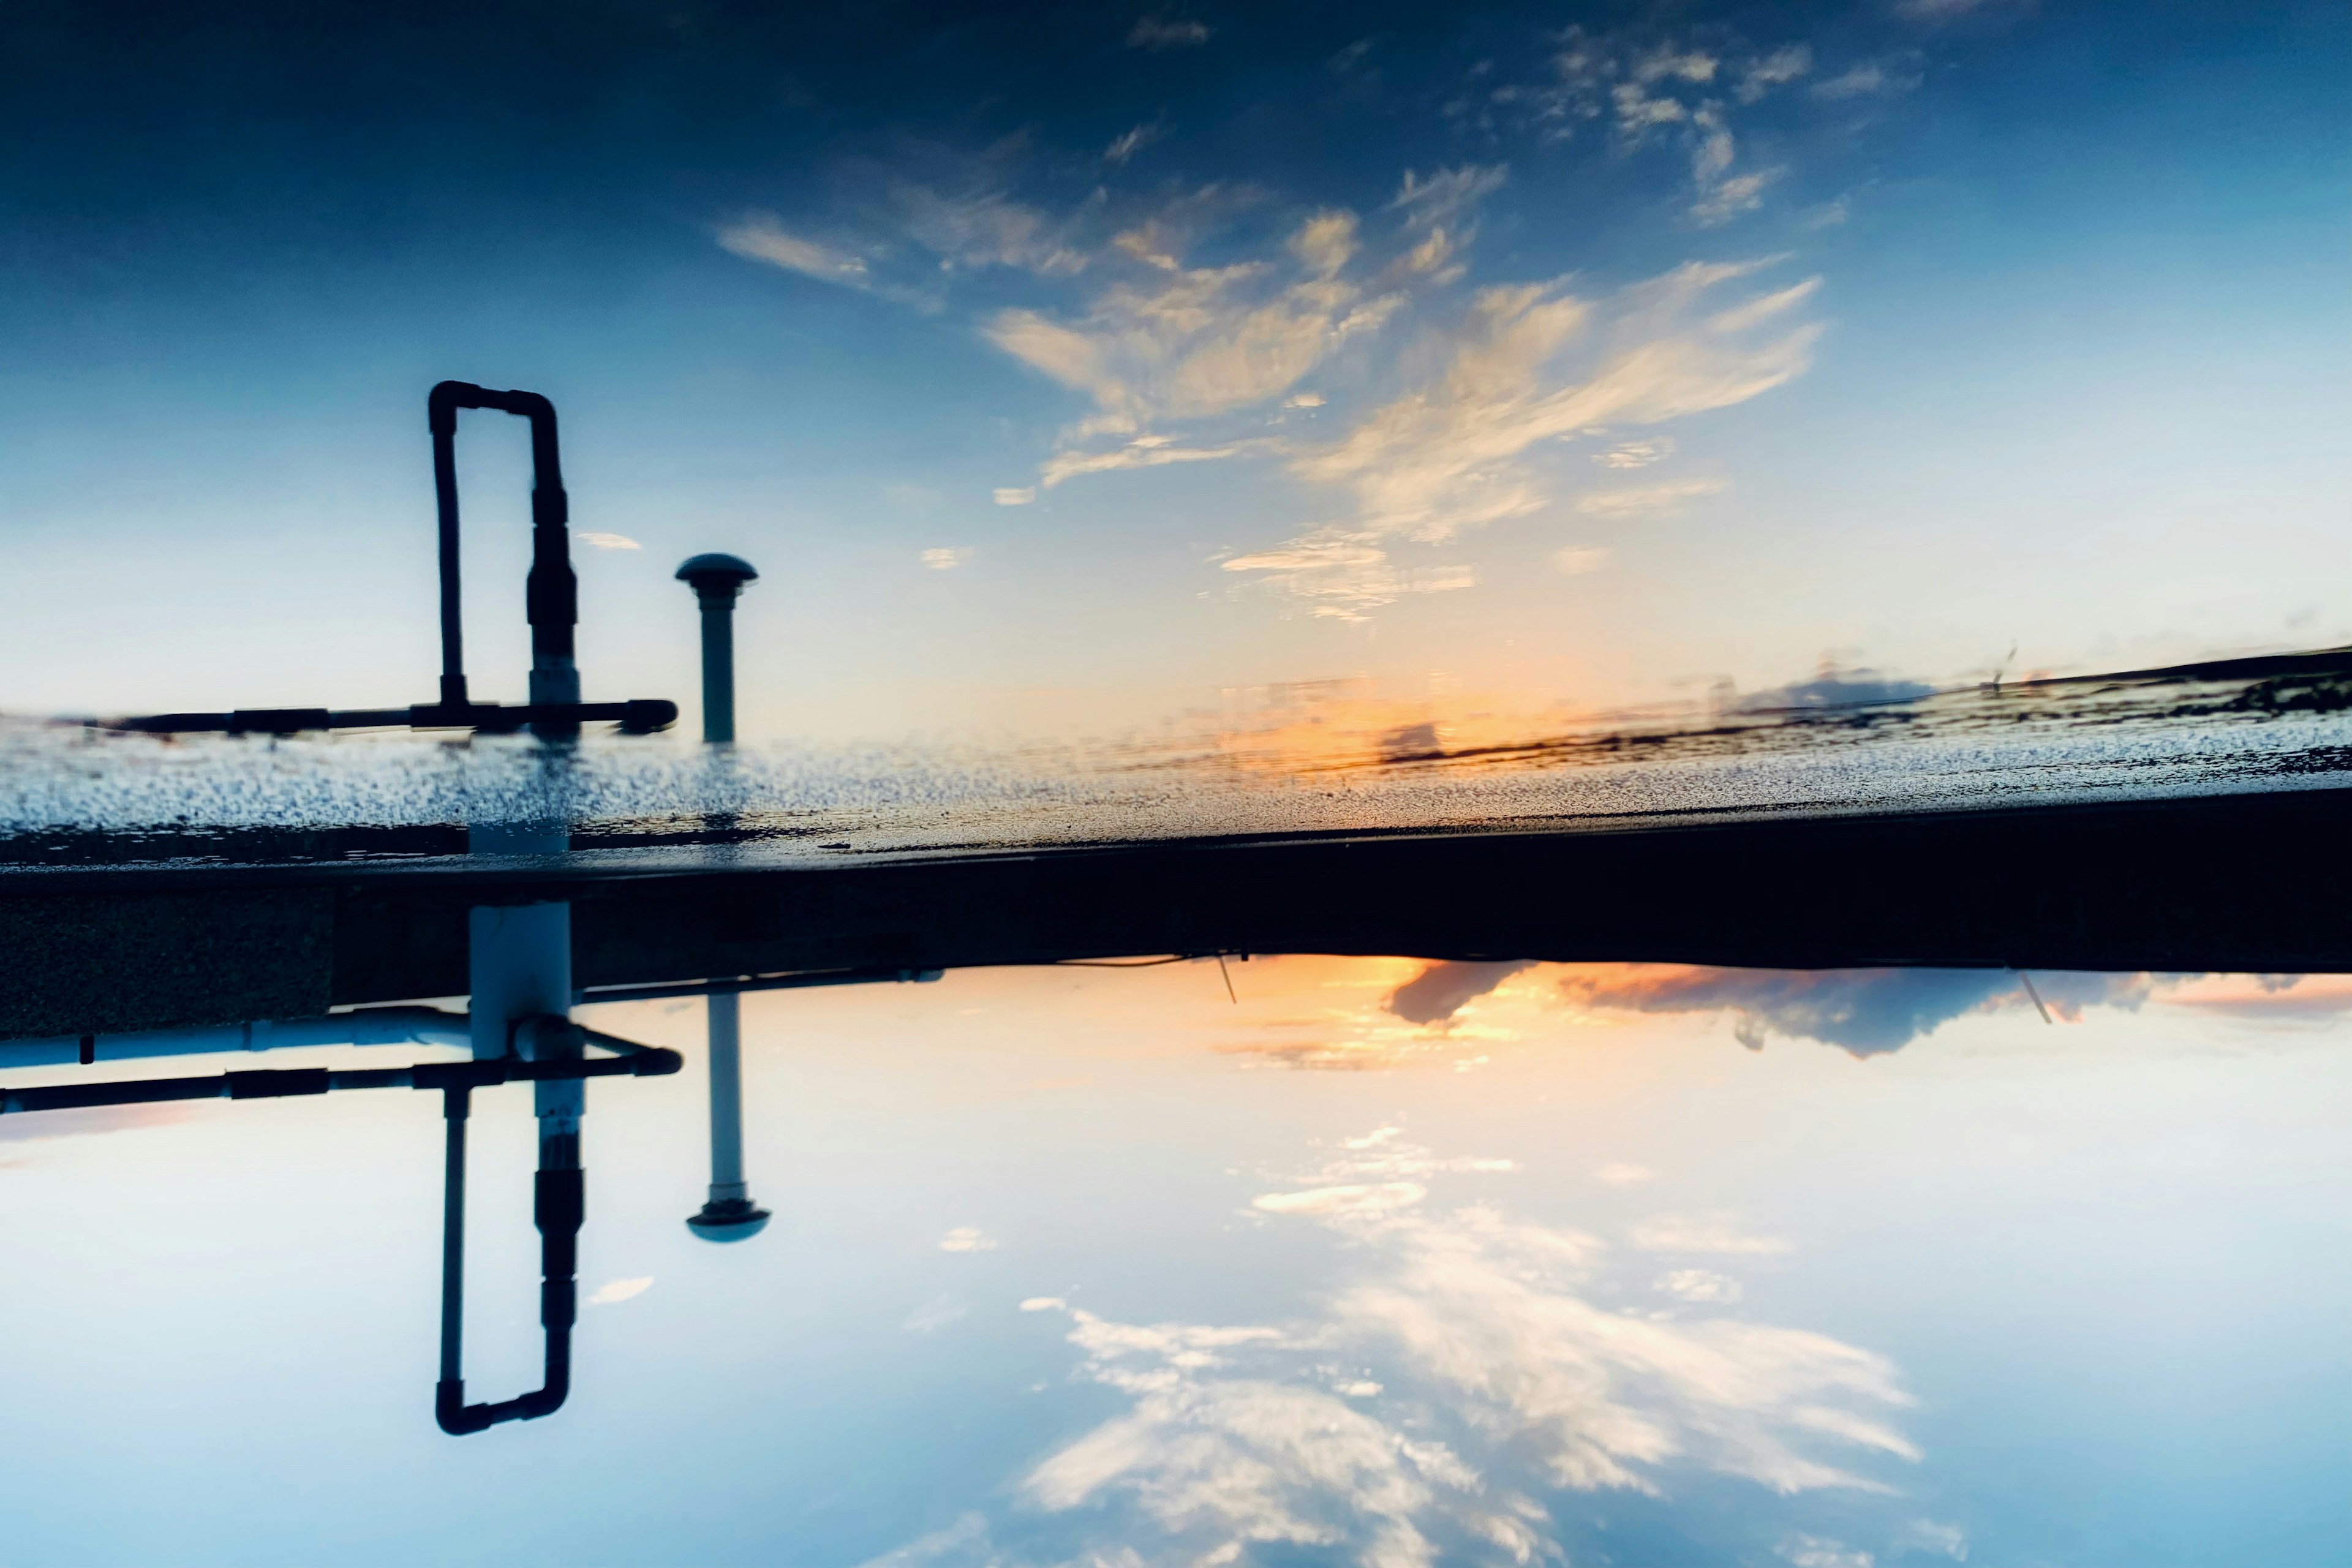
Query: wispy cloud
x,y
1355,1198
1182,360
967,1238
761,237
916,235
617,1290
1534,363
1701,1233
1636,454
1820,1551
1160,31
1143,452
607,541
1187,343
1700,1284
946,560
1647,500
1758,77
1239,1437
1663,94
1868,80
1945,10
1326,242
1127,143
934,1315
984,225
1342,575
1447,195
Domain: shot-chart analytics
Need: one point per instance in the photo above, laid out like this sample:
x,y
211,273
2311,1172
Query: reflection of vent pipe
x,y
729,1215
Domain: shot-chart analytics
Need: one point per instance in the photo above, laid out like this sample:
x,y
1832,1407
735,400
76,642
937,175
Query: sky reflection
x,y
1056,1278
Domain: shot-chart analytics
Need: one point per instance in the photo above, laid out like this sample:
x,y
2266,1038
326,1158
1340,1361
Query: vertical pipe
x,y
726,1098
520,954
442,417
729,1215
717,581
717,669
449,1394
551,592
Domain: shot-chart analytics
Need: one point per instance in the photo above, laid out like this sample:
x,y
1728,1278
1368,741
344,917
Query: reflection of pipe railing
x,y
793,981
388,1026
278,1083
558,1206
559,1196
393,1025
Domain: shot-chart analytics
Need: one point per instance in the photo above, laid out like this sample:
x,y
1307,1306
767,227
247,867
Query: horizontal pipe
x,y
361,1027
275,1083
637,716
738,984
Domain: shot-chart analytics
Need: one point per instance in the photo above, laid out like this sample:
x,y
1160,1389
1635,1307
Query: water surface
x,y
1378,1262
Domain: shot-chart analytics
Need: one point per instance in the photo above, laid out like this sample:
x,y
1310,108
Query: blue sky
x,y
1064,368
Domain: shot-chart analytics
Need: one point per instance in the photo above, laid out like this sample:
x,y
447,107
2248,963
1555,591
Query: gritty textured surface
x,y
77,798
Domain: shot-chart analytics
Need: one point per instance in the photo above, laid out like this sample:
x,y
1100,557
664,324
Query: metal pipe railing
x,y
550,605
637,716
551,592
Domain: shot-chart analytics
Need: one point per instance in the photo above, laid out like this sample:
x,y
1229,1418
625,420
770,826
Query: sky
x,y
1378,1262
1068,369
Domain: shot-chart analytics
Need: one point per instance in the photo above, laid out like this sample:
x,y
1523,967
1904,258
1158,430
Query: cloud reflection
x,y
1453,1013
1459,1373
1864,1010
1442,990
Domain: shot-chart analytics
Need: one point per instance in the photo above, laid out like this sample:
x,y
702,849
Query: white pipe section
x,y
726,1026
369,1027
520,960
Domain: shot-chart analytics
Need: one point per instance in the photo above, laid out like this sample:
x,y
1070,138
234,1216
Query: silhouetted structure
x,y
551,603
717,580
553,1055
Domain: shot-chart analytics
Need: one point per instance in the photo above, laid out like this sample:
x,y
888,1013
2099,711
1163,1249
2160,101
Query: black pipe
x,y
736,985
637,716
449,1394
558,1207
551,592
559,1200
551,603
273,1083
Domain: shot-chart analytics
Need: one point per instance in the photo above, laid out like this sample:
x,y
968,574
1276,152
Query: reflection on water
x,y
1080,1265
